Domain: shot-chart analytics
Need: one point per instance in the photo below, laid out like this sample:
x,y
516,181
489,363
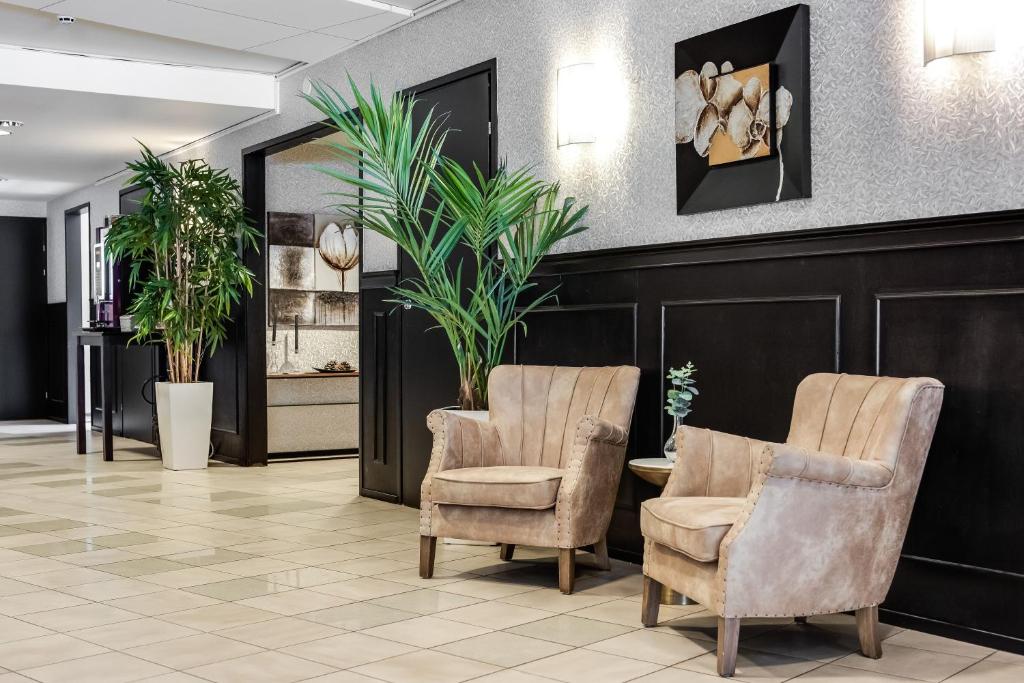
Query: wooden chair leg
x,y
566,569
428,545
652,602
601,554
867,631
506,551
728,644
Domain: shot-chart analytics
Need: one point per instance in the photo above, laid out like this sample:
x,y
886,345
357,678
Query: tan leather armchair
x,y
540,468
811,526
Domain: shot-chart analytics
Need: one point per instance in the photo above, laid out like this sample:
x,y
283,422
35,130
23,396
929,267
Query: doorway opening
x,y
312,283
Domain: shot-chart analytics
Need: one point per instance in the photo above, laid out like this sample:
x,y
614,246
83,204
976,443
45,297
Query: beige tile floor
x,y
123,571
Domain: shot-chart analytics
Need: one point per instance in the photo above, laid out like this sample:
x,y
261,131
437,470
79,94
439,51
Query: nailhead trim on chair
x,y
563,515
437,422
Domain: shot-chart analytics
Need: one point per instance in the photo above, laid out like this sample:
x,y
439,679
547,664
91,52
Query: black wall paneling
x,y
779,339
941,297
57,361
23,323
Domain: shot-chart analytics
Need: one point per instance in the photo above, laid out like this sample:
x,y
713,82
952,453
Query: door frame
x,y
253,380
74,329
253,417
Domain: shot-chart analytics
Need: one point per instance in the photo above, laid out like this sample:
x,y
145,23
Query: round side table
x,y
656,471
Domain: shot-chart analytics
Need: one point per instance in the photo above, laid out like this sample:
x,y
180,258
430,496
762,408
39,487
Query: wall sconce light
x,y
577,104
958,27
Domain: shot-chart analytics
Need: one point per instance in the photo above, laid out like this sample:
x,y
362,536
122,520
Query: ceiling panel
x,y
361,28
308,47
71,139
307,14
410,4
30,28
177,20
34,4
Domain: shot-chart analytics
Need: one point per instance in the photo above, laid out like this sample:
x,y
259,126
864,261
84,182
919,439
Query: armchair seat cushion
x,y
694,526
530,488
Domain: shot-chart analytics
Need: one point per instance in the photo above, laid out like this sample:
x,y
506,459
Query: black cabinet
x,y
135,368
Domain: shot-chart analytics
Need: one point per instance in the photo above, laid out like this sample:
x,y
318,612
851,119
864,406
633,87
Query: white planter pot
x,y
185,415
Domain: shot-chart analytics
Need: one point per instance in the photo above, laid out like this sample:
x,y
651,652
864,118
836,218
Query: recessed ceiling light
x,y
4,131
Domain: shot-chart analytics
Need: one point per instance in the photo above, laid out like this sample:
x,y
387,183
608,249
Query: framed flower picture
x,y
312,270
742,113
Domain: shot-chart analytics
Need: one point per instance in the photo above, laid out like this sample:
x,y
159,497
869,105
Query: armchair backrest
x,y
536,407
860,416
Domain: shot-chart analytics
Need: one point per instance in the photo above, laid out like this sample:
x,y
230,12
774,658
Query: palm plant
x,y
429,205
183,245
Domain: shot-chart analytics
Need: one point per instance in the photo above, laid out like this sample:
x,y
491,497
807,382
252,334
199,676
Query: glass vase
x,y
670,445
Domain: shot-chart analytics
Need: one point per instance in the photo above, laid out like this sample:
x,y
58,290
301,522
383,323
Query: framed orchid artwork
x,y
312,270
742,113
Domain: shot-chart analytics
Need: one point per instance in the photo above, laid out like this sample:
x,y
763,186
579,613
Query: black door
x,y
23,322
430,378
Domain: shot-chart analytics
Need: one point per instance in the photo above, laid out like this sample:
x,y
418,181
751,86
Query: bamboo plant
x,y
429,205
183,245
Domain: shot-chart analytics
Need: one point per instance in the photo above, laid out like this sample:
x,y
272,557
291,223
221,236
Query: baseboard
x,y
947,630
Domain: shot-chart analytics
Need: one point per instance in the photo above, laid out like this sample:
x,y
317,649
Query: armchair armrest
x,y
799,463
462,438
590,483
816,532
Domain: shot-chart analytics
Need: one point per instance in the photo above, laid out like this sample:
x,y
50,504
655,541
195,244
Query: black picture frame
x,y
781,38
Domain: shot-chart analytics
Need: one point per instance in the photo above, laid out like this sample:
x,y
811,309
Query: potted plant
x,y
183,244
429,205
683,387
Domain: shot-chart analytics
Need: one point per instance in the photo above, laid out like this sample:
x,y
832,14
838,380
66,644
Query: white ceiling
x,y
81,130
290,30
71,139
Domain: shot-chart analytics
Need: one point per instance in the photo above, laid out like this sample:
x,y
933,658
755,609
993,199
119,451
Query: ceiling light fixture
x,y
64,19
385,7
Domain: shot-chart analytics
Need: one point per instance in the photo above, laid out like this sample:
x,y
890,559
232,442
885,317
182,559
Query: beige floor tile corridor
x,y
123,571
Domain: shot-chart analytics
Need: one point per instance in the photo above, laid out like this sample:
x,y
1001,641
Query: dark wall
x,y
22,318
57,361
942,297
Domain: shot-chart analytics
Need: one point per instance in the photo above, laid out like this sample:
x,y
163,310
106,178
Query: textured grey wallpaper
x,y
891,139
22,207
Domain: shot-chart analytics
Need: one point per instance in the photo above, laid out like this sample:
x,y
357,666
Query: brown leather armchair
x,y
540,468
811,526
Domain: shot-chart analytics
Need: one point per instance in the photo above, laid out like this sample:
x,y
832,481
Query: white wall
x,y
891,139
22,208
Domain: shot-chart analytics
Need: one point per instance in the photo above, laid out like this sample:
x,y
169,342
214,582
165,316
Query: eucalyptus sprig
x,y
684,388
